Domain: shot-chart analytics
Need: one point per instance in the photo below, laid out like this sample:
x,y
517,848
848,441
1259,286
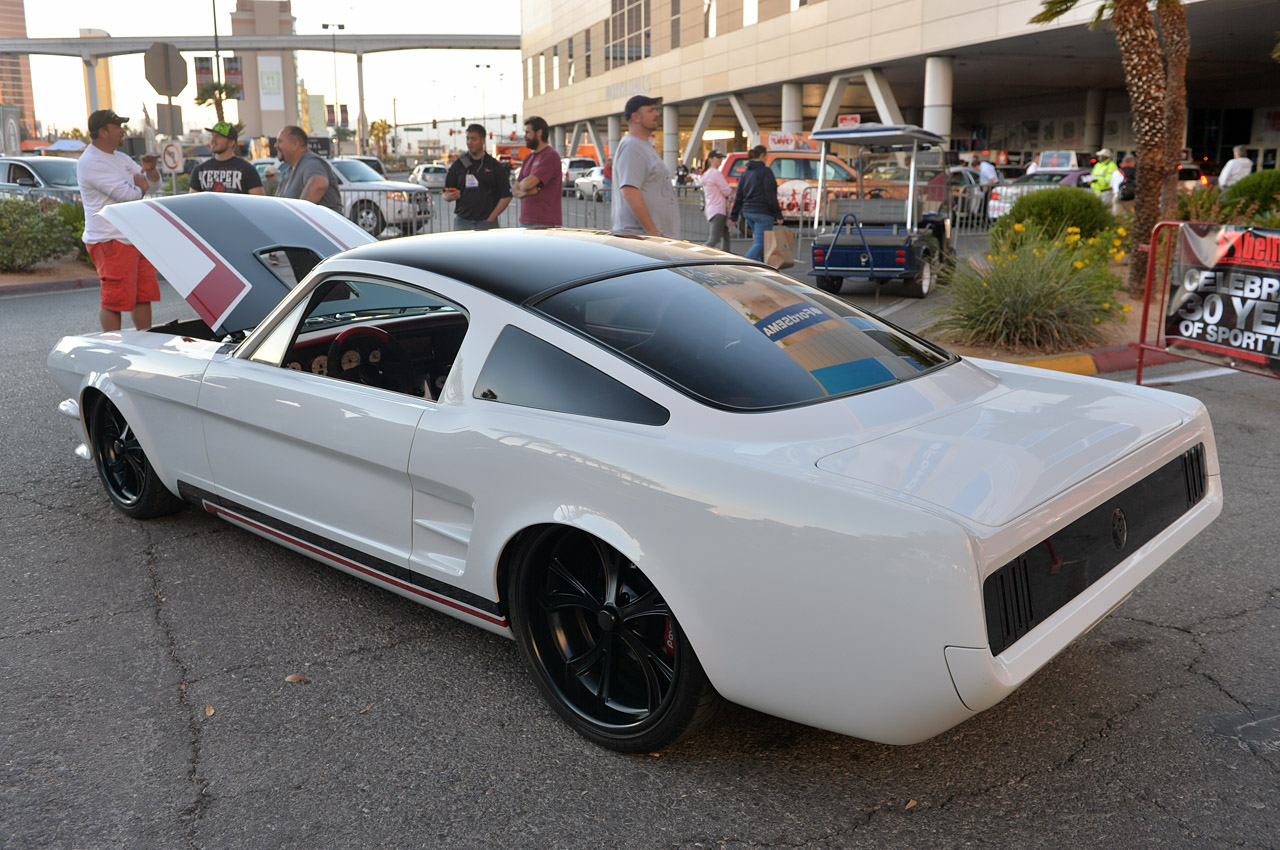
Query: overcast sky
x,y
424,84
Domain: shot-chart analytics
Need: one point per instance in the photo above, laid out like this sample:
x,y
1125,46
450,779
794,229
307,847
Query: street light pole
x,y
336,122
484,91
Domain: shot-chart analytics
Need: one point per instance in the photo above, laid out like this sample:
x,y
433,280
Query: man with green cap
x,y
224,171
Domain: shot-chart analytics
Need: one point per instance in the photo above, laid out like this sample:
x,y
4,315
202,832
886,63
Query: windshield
x,y
356,171
55,172
742,337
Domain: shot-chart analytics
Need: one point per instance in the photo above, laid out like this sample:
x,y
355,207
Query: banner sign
x,y
1224,297
233,74
270,84
342,111
779,141
204,70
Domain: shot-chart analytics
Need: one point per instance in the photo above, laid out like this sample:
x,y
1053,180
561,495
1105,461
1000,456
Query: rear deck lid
x,y
210,247
995,461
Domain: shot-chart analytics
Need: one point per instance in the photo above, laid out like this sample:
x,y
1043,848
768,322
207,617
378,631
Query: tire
x,y
603,647
581,197
595,194
368,218
126,474
830,284
919,286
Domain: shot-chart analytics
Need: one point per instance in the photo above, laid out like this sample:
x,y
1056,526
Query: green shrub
x,y
1207,204
72,215
1261,187
29,236
1054,210
1049,294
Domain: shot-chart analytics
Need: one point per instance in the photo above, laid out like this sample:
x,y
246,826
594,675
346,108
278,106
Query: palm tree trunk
x,y
1144,76
1172,16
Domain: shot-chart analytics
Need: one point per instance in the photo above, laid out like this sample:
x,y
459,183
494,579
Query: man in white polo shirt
x,y
108,176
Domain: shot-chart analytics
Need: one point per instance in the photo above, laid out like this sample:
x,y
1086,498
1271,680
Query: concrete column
x,y
670,136
362,123
792,108
938,80
91,69
557,139
615,133
1095,112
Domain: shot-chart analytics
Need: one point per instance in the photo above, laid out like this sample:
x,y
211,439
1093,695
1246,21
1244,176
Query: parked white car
x,y
670,476
573,167
429,175
591,184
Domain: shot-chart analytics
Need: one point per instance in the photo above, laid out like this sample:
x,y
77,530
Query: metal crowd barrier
x,y
46,197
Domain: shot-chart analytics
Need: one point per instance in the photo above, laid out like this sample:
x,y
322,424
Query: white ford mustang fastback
x,y
672,475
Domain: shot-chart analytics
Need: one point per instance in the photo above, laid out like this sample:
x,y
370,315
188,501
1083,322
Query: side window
x,y
380,334
526,371
737,168
789,168
836,171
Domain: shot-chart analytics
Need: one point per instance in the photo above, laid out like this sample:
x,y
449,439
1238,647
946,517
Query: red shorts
x,y
127,277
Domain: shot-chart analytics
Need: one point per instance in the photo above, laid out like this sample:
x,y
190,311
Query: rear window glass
x,y
742,337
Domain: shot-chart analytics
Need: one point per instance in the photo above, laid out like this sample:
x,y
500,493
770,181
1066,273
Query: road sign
x,y
171,158
165,69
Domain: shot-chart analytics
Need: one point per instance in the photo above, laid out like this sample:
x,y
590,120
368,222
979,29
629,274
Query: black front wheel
x,y
604,647
126,473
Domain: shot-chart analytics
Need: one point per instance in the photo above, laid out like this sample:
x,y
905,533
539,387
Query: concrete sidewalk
x,y
1119,358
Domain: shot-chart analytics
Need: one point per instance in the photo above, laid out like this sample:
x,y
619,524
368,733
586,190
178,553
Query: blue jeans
x,y
460,223
760,222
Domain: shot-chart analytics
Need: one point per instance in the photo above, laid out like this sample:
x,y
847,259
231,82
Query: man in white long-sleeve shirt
x,y
108,176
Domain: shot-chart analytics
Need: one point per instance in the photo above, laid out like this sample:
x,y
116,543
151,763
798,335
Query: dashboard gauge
x,y
350,359
320,365
375,356
294,365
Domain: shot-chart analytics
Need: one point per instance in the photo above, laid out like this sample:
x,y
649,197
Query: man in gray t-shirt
x,y
310,177
644,201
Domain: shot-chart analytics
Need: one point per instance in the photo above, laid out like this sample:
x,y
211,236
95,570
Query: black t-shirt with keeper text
x,y
483,183
230,175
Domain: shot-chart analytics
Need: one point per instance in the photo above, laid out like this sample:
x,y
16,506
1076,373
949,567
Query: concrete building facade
x,y
975,71
15,71
271,90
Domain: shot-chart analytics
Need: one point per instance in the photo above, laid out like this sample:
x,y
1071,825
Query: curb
x,y
1117,358
38,286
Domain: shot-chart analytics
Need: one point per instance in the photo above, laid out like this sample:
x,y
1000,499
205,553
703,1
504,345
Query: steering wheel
x,y
370,356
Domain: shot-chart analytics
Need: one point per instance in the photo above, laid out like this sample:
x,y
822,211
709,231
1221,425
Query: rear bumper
x,y
981,679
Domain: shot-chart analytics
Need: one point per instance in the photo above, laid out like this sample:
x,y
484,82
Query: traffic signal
x,y
434,126
514,116
450,131
491,134
513,135
462,122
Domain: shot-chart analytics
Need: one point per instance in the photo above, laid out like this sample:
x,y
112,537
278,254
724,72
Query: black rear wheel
x,y
603,647
830,284
123,467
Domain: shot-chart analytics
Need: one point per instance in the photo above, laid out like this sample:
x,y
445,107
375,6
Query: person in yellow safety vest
x,y
1102,171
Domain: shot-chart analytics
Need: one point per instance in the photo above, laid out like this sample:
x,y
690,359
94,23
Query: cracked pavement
x,y
1161,726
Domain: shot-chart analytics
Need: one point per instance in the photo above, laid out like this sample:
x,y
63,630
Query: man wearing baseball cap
x,y
645,201
108,176
224,171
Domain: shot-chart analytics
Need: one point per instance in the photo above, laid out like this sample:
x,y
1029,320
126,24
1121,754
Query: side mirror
x,y
28,182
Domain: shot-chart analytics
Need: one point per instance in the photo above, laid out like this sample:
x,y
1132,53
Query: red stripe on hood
x,y
213,296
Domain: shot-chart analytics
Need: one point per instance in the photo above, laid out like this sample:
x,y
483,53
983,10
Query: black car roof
x,y
518,264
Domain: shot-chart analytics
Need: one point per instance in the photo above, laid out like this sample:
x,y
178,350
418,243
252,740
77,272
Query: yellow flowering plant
x,y
1042,294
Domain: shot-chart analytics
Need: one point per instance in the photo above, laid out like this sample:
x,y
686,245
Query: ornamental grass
x,y
1036,292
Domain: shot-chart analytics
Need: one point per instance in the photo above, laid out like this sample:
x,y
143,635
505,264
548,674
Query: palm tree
x,y
379,132
1154,59
216,93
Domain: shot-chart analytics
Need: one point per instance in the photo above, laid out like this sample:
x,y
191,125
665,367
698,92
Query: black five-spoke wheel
x,y
123,467
604,647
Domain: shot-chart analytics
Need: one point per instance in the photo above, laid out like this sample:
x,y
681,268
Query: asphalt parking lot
x,y
145,700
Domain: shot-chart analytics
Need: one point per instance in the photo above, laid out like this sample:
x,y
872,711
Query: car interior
x,y
380,335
